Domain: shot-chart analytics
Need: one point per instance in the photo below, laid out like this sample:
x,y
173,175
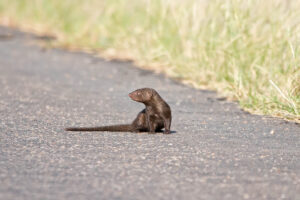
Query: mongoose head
x,y
142,95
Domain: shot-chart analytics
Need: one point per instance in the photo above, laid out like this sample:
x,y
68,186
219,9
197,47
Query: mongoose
x,y
156,115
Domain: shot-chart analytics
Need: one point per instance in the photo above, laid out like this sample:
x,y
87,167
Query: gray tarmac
x,y
216,150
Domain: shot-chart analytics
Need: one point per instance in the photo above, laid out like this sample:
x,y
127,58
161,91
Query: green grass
x,y
247,50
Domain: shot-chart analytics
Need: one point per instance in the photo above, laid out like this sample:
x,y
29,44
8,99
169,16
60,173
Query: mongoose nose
x,y
132,96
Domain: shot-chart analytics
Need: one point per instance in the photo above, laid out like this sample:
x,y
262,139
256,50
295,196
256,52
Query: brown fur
x,y
156,116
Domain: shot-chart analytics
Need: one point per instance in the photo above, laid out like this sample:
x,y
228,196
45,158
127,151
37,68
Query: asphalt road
x,y
216,151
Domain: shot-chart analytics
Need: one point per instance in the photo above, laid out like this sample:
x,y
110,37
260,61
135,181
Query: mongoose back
x,y
156,116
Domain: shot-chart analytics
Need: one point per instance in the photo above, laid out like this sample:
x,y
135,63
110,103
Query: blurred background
x,y
247,50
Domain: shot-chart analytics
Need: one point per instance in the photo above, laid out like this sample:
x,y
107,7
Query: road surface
x,y
216,151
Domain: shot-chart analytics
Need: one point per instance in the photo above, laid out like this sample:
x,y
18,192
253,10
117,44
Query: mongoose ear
x,y
152,92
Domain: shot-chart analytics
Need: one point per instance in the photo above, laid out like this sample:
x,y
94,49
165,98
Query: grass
x,y
247,50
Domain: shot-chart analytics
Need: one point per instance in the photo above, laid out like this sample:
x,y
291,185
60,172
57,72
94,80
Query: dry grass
x,y
246,50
